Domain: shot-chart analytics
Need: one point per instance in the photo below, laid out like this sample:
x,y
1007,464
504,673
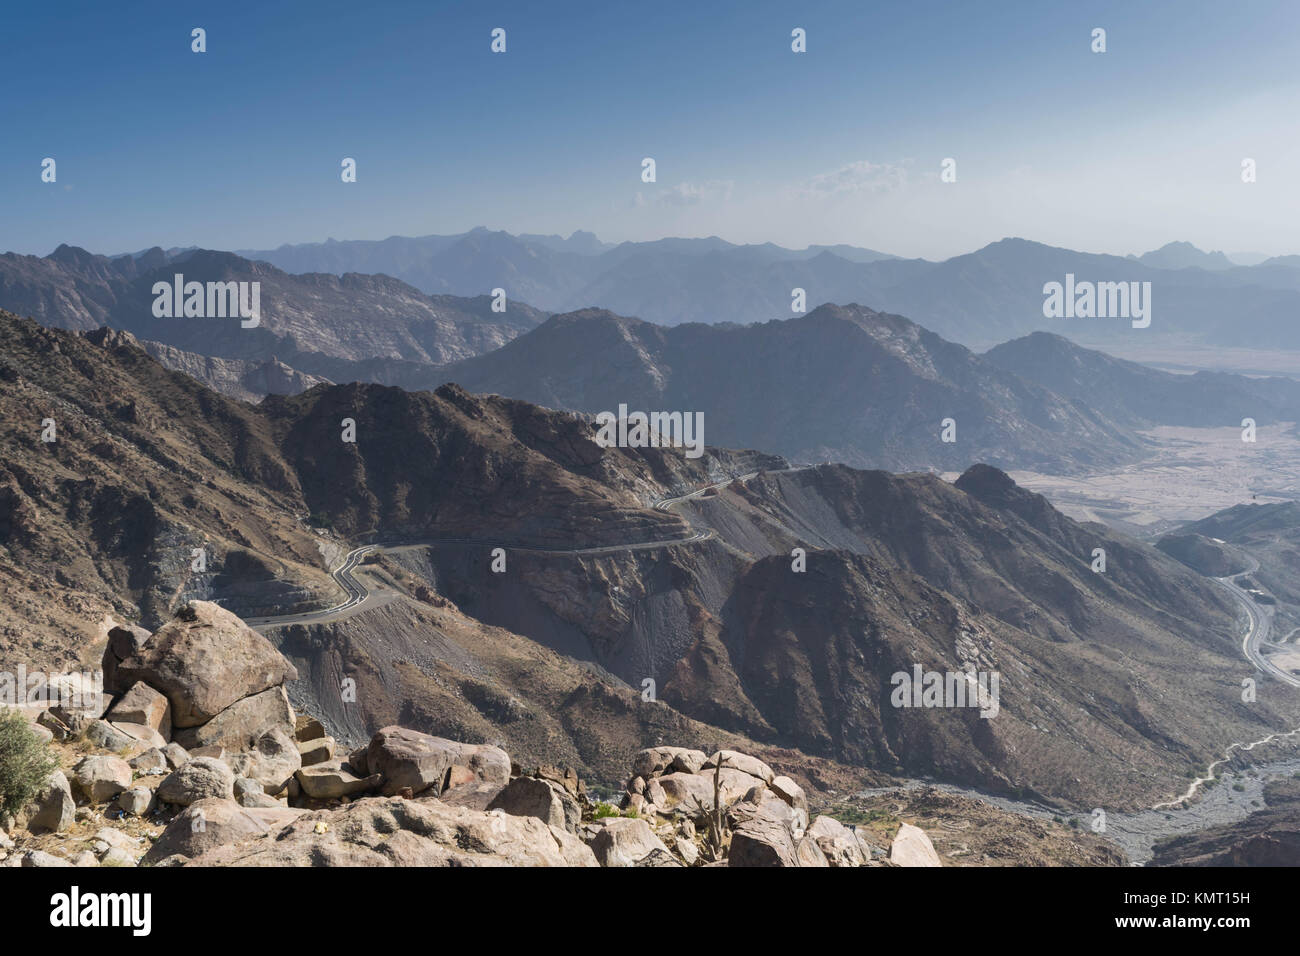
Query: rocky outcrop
x,y
243,722
272,763
378,831
141,704
623,842
911,847
204,661
124,640
547,801
330,781
409,760
201,778
213,822
55,805
101,778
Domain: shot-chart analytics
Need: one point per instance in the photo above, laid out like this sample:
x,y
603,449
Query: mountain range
x,y
315,323
601,589
846,384
840,383
977,299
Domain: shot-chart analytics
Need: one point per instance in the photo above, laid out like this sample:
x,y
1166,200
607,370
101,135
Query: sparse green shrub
x,y
604,810
25,762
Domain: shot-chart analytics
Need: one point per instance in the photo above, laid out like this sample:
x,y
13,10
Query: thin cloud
x,y
857,178
692,194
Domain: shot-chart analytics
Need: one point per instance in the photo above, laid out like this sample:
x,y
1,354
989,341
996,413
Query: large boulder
x,y
808,853
240,725
199,779
249,793
151,762
56,808
624,841
790,792
838,843
136,802
329,781
272,762
767,839
378,831
213,822
686,793
307,728
409,759
317,750
656,760
691,794
103,734
141,704
123,641
911,847
742,762
177,756
141,735
204,660
548,802
100,779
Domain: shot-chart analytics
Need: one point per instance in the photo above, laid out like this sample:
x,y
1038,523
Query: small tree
x,y
25,762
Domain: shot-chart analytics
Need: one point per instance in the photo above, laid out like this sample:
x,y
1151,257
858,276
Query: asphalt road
x,y
1258,631
358,593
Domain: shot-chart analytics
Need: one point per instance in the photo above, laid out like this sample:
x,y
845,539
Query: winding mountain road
x,y
358,594
1257,633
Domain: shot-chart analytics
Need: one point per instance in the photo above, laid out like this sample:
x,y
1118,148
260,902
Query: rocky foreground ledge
x,y
200,760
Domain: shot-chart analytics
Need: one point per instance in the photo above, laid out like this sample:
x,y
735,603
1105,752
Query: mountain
x,y
613,583
316,324
903,570
1270,533
1139,396
842,383
101,526
1184,255
979,298
667,280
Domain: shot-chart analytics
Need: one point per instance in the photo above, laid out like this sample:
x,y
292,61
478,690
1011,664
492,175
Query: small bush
x,y
605,810
25,762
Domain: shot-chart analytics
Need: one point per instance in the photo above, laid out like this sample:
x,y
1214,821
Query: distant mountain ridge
x,y
1184,255
1140,396
317,324
979,298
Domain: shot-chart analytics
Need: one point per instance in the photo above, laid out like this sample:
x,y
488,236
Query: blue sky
x,y
240,147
